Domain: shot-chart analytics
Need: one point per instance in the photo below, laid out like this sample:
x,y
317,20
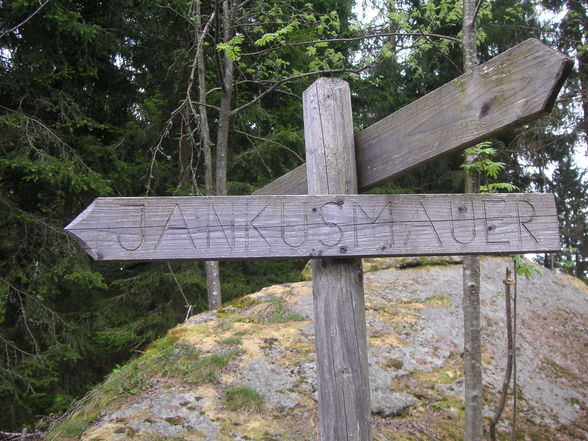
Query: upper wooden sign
x,y
247,227
515,87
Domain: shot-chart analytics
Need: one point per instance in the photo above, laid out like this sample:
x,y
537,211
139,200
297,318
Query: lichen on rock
x,y
262,346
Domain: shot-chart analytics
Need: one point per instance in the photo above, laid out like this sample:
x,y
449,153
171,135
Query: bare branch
x,y
288,79
10,343
57,139
186,102
41,6
426,37
36,219
271,141
188,304
478,6
34,299
194,65
351,39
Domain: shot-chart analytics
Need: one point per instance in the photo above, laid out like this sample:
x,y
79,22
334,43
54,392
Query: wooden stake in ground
x,y
340,329
508,282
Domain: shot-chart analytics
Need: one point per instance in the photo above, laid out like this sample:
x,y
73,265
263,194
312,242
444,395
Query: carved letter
x,y
291,245
523,224
463,209
179,224
331,224
142,206
212,210
390,222
250,224
492,227
428,223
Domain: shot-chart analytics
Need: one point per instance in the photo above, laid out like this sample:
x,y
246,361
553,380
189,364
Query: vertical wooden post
x,y
340,328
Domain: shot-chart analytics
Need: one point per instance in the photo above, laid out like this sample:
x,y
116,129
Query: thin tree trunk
x,y
222,139
186,150
211,267
471,273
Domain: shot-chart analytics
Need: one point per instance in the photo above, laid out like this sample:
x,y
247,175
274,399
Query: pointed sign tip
x,y
567,64
71,231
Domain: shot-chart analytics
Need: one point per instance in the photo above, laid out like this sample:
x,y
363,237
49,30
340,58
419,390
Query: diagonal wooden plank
x,y
513,88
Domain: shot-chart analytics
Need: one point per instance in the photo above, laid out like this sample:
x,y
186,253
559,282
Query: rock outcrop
x,y
248,370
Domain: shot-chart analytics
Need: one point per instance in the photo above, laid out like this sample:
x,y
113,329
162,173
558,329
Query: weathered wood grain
x,y
248,227
513,88
339,310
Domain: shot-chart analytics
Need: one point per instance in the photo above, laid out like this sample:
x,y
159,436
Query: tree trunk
x,y
472,356
211,267
222,139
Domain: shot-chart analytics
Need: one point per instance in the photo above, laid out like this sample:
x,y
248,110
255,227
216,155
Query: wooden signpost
x,y
269,227
331,220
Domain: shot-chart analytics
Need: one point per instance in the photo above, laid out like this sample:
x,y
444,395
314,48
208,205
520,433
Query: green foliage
x,y
232,48
243,398
484,166
496,187
525,267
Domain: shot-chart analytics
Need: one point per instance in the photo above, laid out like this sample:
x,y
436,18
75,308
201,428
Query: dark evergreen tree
x,y
570,187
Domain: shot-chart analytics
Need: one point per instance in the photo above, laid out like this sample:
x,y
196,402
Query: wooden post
x,y
340,328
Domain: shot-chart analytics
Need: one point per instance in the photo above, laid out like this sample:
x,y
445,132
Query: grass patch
x,y
243,398
72,428
232,341
392,363
280,313
438,300
443,375
191,367
128,379
206,369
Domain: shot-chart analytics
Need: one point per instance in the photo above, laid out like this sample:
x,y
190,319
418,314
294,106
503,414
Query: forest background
x,y
190,97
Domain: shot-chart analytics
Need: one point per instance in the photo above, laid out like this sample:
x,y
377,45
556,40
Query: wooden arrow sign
x,y
515,87
247,227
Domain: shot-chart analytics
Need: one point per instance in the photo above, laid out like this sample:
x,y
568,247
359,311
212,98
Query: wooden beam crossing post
x,y
513,88
339,310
